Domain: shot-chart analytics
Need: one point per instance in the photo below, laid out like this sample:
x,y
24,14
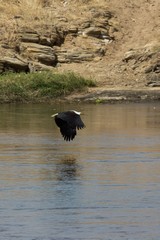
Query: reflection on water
x,y
103,185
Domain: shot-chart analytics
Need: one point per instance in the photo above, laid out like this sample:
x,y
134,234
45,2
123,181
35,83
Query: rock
x,y
30,37
72,30
69,57
153,84
68,41
53,38
40,53
44,38
126,95
85,24
153,68
13,64
145,61
131,54
77,54
143,53
153,79
36,67
96,32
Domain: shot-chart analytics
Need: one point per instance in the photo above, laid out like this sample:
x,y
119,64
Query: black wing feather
x,y
79,123
67,131
68,122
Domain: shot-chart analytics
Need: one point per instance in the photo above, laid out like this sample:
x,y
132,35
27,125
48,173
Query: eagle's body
x,y
68,122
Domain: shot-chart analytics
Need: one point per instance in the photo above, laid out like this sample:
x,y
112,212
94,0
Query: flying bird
x,y
68,122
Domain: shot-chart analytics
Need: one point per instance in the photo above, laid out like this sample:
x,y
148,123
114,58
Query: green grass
x,y
40,86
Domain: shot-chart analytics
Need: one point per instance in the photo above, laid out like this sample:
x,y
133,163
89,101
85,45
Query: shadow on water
x,y
103,185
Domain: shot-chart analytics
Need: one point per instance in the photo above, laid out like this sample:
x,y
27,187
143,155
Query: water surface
x,y
103,185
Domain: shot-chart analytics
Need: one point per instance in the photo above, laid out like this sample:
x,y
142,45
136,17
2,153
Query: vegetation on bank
x,y
40,86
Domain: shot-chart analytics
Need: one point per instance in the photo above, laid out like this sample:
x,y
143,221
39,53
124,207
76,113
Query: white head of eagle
x,y
68,122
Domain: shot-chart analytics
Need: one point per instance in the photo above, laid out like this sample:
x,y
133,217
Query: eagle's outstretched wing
x,y
67,132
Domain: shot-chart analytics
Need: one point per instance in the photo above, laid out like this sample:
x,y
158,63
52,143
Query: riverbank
x,y
68,87
117,95
115,43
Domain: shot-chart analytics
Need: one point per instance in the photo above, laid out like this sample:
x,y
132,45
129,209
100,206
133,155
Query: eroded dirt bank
x,y
116,43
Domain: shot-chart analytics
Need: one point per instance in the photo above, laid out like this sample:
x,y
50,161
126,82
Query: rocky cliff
x,y
115,42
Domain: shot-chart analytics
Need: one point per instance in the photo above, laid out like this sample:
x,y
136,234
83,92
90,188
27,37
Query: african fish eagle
x,y
68,122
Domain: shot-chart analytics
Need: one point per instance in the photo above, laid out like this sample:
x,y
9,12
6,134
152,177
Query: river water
x,y
104,185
